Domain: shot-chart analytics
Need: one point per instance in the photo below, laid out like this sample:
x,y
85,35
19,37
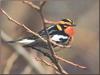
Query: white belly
x,y
58,37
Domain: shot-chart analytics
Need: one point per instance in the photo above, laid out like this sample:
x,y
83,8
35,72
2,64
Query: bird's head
x,y
68,26
67,22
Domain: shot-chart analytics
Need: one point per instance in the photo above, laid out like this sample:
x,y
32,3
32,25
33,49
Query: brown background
x,y
85,47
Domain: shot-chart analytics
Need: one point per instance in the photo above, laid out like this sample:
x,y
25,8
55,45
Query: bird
x,y
61,32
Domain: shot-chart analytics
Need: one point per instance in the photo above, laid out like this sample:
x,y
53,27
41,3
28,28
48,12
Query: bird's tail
x,y
23,41
11,41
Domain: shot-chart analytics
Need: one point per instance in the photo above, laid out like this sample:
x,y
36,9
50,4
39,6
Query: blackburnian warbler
x,y
61,32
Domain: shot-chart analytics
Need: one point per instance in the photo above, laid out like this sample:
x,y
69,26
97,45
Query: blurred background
x,y
85,47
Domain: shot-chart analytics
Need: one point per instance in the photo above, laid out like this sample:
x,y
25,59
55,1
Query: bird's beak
x,y
71,25
74,25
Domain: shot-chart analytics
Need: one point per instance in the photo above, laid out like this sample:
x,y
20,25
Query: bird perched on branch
x,y
60,32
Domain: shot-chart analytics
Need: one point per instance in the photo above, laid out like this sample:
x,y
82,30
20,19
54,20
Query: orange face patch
x,y
70,31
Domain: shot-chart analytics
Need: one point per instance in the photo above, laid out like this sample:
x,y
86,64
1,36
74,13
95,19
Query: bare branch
x,y
32,5
20,50
55,61
42,4
10,63
69,62
27,70
49,64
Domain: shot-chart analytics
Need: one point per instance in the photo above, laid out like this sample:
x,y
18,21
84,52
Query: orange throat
x,y
70,31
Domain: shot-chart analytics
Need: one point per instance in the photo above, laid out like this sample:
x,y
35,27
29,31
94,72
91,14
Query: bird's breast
x,y
70,31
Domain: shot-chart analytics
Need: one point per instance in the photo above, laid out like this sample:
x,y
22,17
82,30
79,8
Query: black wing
x,y
51,30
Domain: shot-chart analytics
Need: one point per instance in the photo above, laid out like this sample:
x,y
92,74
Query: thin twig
x,y
60,58
23,25
49,64
55,61
42,3
32,5
69,62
